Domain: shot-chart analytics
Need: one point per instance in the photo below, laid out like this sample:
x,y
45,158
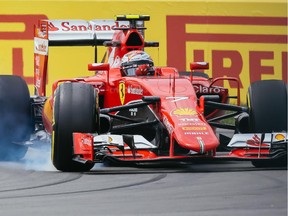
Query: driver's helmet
x,y
137,63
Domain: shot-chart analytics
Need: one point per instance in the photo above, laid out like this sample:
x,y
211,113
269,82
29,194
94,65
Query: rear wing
x,y
81,32
68,33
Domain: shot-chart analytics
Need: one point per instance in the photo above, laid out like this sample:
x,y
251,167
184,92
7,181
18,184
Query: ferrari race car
x,y
131,111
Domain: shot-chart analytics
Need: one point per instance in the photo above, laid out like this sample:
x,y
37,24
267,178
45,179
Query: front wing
x,y
136,149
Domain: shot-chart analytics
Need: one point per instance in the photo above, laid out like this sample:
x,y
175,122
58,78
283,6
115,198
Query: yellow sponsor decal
x,y
122,92
194,128
184,112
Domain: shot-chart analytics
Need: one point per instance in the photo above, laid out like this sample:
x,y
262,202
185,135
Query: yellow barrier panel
x,y
245,39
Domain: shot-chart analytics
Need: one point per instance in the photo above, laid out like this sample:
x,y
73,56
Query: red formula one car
x,y
133,111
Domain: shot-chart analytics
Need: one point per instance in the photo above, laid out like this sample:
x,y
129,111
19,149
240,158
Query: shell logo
x,y
110,139
184,112
279,137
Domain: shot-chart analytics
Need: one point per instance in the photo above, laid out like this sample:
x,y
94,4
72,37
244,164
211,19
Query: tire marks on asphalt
x,y
32,188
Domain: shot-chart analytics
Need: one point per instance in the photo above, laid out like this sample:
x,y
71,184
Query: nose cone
x,y
180,114
194,133
198,139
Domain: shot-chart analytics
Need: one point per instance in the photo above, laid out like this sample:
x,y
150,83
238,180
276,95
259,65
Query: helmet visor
x,y
130,69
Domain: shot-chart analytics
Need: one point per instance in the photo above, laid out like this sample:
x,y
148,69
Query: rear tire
x,y
267,102
74,111
16,122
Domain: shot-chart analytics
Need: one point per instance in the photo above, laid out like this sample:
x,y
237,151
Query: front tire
x,y
74,111
267,102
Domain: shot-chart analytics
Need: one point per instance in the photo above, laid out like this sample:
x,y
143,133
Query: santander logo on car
x,y
82,25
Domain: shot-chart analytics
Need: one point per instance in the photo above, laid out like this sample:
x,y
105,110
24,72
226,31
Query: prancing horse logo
x,y
122,92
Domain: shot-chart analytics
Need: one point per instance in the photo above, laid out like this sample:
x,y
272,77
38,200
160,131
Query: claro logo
x,y
250,48
15,30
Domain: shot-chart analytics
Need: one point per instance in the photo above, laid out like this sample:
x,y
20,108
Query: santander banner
x,y
242,39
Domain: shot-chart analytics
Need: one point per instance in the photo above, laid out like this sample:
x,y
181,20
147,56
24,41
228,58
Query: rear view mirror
x,y
98,67
199,65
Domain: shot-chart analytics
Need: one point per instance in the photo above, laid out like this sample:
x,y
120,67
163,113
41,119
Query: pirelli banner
x,y
243,39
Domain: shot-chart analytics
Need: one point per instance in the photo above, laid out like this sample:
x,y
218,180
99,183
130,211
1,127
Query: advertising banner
x,y
243,39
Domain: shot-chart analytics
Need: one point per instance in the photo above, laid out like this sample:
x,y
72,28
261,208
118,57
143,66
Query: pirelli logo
x,y
16,35
250,48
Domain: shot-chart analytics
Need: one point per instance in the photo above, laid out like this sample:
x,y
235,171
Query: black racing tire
x,y
16,121
74,111
267,102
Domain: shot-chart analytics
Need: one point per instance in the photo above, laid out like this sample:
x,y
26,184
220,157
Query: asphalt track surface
x,y
34,187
